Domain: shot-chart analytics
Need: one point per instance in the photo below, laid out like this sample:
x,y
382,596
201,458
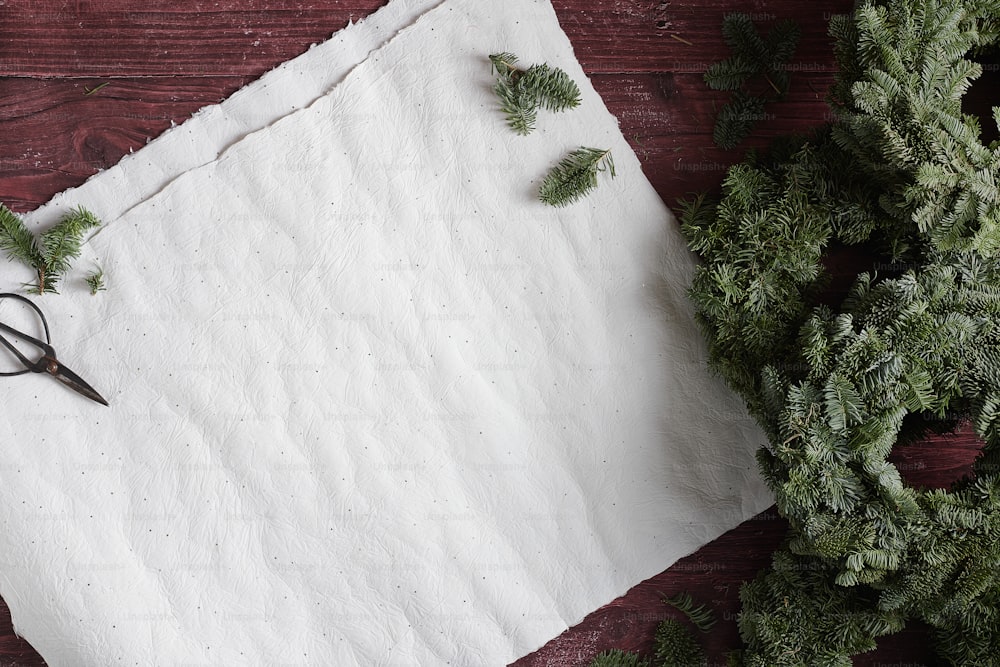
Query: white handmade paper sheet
x,y
292,85
371,402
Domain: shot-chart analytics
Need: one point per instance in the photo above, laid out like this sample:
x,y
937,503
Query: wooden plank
x,y
684,36
668,117
165,38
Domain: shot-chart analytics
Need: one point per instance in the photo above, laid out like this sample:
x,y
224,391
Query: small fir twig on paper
x,y
96,281
575,175
523,91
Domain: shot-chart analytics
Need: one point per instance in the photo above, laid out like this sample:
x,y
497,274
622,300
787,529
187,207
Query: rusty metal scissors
x,y
47,363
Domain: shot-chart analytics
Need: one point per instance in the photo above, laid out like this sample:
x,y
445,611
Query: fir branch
x,y
673,646
730,74
741,37
781,43
517,104
843,403
96,281
753,58
700,615
16,240
552,87
575,176
49,254
522,92
504,64
736,119
61,244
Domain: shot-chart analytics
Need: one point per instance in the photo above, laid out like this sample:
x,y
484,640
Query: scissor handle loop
x,y
29,367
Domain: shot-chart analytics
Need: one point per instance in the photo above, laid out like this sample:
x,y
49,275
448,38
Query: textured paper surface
x,y
292,85
371,402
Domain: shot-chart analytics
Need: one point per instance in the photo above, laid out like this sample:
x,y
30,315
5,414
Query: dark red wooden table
x,y
83,83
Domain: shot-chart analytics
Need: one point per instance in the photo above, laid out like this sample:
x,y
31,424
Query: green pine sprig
x,y
756,72
96,281
700,615
523,91
16,240
674,646
575,175
50,253
736,119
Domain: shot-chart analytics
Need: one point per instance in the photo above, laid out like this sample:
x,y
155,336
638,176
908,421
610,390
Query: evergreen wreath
x,y
900,171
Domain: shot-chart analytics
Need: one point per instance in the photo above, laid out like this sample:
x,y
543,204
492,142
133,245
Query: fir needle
x,y
768,79
91,91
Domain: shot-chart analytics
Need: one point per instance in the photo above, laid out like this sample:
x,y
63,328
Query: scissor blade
x,y
76,383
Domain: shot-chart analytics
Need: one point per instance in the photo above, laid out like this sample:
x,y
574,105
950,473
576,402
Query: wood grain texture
x,y
164,59
163,37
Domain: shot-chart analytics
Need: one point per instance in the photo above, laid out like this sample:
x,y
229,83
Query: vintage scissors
x,y
47,363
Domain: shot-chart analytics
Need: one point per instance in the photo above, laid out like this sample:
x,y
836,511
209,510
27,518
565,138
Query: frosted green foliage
x,y
523,91
914,348
575,176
